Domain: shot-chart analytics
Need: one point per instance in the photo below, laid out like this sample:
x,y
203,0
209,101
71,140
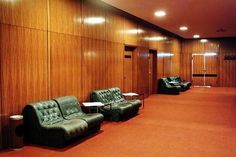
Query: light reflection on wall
x,y
94,20
165,54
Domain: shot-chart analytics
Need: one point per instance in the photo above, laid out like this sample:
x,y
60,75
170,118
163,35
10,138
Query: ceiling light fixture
x,y
203,40
196,36
160,13
183,28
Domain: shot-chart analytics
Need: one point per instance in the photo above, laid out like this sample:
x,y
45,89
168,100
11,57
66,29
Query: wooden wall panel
x,y
66,65
143,70
143,34
130,32
153,44
32,14
224,68
227,70
65,16
23,69
114,59
175,60
114,27
160,67
94,66
90,9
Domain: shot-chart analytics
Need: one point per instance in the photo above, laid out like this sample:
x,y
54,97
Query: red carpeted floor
x,y
198,123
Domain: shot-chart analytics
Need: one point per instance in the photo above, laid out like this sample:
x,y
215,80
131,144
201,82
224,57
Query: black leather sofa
x,y
115,106
47,124
164,87
176,81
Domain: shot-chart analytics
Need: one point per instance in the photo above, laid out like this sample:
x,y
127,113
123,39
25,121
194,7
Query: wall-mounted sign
x,y
230,57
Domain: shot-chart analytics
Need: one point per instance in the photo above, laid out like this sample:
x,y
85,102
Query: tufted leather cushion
x,y
117,95
166,88
71,109
48,112
118,107
45,124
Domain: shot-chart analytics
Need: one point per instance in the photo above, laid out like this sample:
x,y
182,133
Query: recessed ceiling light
x,y
196,36
183,28
203,40
160,13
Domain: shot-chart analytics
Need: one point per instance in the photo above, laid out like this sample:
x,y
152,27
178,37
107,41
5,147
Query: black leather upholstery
x,y
184,85
46,124
116,107
71,109
165,87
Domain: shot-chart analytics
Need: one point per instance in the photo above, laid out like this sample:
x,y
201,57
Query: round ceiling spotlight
x,y
195,36
183,28
160,13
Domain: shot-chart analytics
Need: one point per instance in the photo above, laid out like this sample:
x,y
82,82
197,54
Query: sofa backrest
x,y
104,96
42,113
174,78
163,82
69,106
117,95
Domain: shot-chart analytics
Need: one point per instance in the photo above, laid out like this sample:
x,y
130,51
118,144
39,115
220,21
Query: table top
x,y
130,94
88,104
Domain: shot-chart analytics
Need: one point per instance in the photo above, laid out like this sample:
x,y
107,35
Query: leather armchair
x,y
116,107
118,97
45,125
165,87
184,85
70,109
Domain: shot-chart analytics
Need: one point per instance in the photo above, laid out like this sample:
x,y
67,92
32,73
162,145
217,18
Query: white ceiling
x,y
209,18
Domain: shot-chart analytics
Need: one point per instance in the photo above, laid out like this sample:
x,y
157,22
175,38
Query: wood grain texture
x,y
31,14
66,65
227,72
143,33
130,32
175,60
114,64
143,71
94,66
23,70
92,10
128,71
114,27
65,16
160,67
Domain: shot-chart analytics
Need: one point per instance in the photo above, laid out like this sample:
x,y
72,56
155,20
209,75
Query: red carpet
x,y
198,123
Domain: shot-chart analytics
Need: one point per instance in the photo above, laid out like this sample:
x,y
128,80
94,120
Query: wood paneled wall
x,y
225,69
168,65
48,50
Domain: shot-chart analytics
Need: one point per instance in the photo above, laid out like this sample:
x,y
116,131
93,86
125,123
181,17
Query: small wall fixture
x,y
163,54
94,20
203,40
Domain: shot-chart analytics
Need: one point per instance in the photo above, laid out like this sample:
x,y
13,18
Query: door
x,y
128,71
150,73
198,70
211,70
204,69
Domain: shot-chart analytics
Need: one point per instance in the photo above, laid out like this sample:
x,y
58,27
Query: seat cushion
x,y
93,119
124,108
136,103
71,128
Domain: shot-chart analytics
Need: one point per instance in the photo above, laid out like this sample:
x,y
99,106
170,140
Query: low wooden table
x,y
134,95
92,104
